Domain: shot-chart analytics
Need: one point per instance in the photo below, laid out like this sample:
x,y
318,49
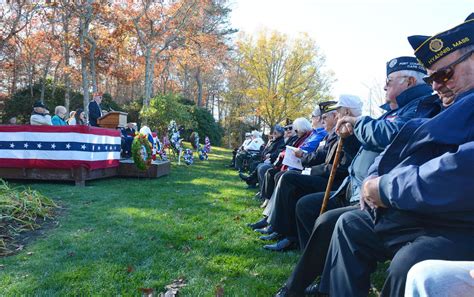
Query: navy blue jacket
x,y
94,113
376,134
427,172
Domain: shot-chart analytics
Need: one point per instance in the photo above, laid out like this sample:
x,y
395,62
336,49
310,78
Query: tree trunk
x,y
199,84
67,82
148,78
93,46
84,27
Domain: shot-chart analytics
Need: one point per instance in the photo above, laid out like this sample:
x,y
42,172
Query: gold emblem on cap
x,y
436,45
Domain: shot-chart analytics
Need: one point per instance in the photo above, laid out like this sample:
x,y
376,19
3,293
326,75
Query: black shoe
x,y
283,245
243,176
285,292
312,290
259,225
258,196
265,230
251,186
273,236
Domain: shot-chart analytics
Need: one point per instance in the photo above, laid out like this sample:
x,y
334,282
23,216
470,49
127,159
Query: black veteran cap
x,y
429,49
39,104
404,63
327,106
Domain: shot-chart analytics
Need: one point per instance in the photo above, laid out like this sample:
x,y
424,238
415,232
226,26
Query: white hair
x,y
145,130
302,125
354,111
60,108
415,74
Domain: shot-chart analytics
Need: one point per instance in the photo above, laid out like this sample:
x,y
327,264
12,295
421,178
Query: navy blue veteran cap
x,y
404,63
429,49
279,129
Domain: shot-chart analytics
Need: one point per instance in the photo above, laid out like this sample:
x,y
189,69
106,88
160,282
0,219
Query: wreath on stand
x,y
142,152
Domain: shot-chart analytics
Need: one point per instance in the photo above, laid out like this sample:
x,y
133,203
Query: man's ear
x,y
411,81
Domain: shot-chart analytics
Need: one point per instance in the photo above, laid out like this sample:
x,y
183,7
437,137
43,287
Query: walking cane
x,y
335,164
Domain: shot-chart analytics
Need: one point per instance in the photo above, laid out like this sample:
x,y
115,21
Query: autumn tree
x,y
286,76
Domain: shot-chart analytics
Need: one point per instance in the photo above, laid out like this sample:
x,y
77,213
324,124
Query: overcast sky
x,y
357,37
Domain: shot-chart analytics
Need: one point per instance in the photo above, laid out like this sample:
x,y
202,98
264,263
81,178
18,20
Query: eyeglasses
x,y
444,74
288,128
390,79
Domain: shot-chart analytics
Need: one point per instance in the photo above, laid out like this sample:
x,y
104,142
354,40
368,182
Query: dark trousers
x,y
292,188
311,263
239,159
356,248
271,178
234,153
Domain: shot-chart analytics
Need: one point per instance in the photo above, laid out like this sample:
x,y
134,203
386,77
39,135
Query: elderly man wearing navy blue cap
x,y
419,190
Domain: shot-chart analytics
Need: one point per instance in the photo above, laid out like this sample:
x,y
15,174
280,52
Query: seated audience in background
x,y
249,151
12,121
71,117
127,135
440,278
60,113
40,115
248,138
270,153
79,117
309,137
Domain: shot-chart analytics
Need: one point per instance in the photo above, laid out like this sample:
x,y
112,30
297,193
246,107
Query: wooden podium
x,y
113,120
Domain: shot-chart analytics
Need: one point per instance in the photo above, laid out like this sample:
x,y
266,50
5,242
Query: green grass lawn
x,y
118,235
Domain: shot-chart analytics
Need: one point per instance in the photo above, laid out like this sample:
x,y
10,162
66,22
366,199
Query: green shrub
x,y
20,105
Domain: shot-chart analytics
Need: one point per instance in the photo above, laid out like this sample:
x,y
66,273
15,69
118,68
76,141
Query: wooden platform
x,y
158,168
78,175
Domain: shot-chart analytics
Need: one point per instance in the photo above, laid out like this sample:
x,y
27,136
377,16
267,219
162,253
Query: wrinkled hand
x,y
299,153
345,126
370,193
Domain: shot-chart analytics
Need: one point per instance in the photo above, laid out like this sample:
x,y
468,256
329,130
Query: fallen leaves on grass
x,y
219,291
130,269
147,292
199,237
173,288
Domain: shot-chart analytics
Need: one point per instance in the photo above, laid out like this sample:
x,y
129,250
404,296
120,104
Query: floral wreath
x,y
142,151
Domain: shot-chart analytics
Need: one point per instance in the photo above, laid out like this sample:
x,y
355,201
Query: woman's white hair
x,y
302,125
